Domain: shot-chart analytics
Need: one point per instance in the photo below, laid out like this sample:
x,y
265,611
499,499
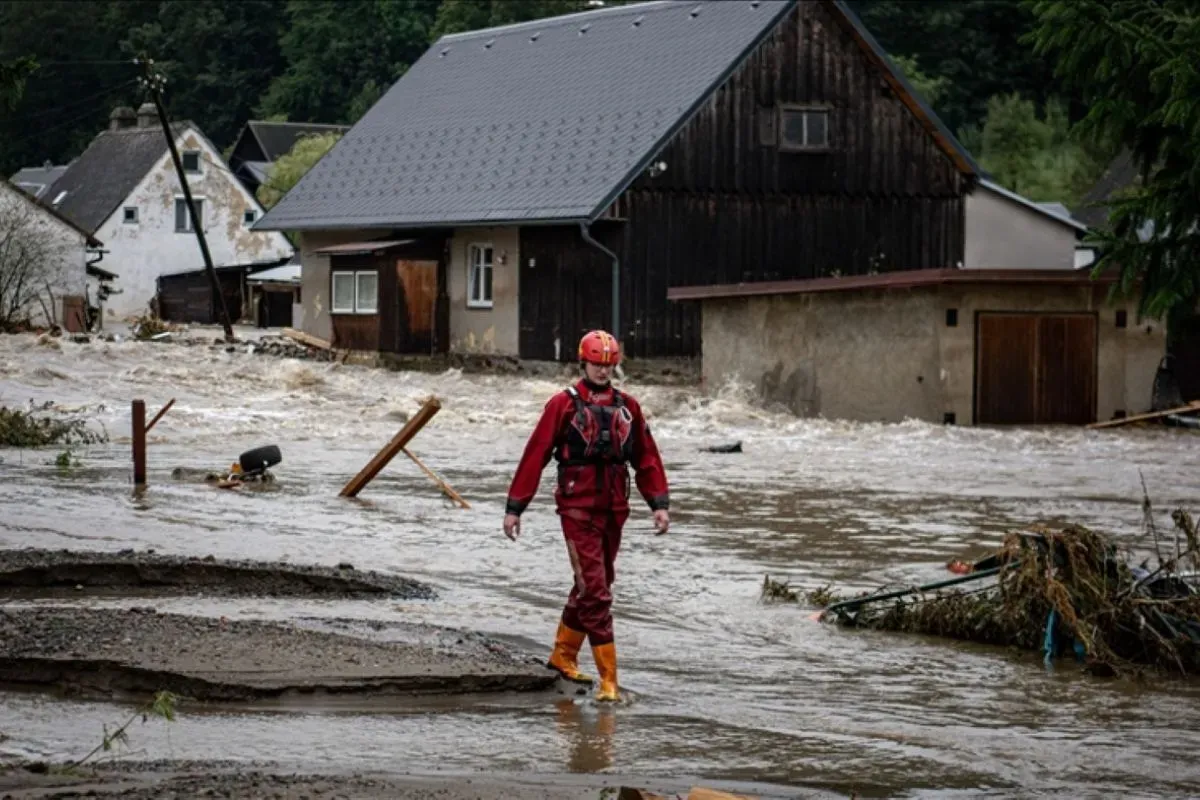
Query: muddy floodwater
x,y
723,687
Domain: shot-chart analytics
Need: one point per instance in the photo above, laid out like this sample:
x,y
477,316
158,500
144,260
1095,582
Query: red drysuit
x,y
592,492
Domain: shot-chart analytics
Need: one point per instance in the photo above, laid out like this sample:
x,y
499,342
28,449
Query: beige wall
x,y
486,330
889,356
1002,234
314,278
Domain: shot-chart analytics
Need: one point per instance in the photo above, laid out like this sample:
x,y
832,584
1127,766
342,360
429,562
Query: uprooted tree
x,y
32,265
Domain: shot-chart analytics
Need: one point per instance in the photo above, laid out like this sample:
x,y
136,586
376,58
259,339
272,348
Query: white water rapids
x,y
725,687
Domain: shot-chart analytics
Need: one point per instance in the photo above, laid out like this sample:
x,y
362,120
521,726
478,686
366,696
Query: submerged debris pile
x,y
149,326
24,428
286,348
1062,591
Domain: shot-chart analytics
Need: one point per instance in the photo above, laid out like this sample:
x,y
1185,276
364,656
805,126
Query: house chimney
x,y
122,117
147,115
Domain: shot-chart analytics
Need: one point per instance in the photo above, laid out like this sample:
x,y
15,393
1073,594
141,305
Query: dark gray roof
x,y
545,120
534,121
91,240
1121,174
277,138
106,172
36,180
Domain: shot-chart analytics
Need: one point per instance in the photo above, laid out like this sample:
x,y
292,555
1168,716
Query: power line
x,y
40,132
77,103
126,61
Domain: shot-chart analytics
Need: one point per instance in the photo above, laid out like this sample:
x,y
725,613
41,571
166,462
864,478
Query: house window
x,y
479,276
131,214
803,128
249,216
191,161
183,220
355,292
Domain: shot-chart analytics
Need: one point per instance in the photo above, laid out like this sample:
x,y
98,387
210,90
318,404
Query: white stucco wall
x,y
141,251
61,254
1004,234
495,330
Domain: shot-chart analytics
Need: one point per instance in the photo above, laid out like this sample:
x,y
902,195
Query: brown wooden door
x,y
416,306
1035,369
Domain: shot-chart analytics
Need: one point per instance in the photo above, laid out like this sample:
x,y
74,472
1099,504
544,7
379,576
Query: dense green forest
x,y
305,60
1043,92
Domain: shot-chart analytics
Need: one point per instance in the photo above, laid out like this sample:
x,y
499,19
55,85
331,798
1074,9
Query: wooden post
x,y
389,451
139,442
446,488
158,416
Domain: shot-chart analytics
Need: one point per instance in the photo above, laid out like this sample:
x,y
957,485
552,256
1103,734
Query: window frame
x,y
187,217
783,145
355,276
490,265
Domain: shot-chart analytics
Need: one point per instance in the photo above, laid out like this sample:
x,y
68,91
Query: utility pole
x,y
153,82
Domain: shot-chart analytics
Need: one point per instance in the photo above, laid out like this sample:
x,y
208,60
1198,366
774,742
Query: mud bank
x,y
139,651
38,573
171,780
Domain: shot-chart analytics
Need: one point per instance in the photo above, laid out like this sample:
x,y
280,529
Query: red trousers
x,y
593,539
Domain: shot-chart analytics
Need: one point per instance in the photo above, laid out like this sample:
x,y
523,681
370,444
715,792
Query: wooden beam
x,y
139,442
305,338
389,451
159,415
1113,423
446,488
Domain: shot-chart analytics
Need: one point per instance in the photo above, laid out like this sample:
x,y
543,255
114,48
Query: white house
x,y
1005,230
124,190
47,273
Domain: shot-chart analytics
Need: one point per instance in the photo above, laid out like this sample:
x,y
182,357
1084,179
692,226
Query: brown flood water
x,y
724,688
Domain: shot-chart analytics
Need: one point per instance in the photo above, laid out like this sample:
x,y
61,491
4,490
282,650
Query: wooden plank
x,y
446,488
138,425
305,338
159,415
389,451
1114,423
701,793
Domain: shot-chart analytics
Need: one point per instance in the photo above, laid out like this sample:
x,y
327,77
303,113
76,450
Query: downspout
x,y
616,285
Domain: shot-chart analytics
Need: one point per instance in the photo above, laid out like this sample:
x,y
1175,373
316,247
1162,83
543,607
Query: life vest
x,y
597,434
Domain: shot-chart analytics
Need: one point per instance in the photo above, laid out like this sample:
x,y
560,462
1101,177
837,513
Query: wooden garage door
x,y
1035,369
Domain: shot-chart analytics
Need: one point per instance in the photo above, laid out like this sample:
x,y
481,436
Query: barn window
x,y
249,216
479,276
191,161
131,214
355,292
803,129
183,220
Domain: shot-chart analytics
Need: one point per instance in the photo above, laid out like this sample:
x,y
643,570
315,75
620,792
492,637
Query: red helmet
x,y
600,347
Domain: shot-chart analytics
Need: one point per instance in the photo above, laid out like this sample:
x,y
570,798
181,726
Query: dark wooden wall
x,y
729,207
389,329
187,297
567,291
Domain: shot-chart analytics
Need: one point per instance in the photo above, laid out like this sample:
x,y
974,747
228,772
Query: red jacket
x,y
588,486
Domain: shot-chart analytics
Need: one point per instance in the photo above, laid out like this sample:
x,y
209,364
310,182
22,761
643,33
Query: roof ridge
x,y
515,27
298,124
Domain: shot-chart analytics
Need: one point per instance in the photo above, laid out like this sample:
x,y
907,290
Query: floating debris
x,y
1061,591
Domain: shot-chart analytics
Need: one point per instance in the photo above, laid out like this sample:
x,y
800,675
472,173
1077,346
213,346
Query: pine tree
x,y
1135,63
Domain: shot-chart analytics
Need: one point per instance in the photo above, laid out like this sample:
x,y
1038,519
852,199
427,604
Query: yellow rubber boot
x,y
565,657
606,665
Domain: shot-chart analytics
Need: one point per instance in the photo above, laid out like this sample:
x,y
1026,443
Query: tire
x,y
259,459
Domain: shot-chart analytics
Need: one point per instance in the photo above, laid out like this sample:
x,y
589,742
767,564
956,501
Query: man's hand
x,y
662,521
512,526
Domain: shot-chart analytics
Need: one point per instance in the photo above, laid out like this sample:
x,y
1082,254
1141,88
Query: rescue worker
x,y
595,432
